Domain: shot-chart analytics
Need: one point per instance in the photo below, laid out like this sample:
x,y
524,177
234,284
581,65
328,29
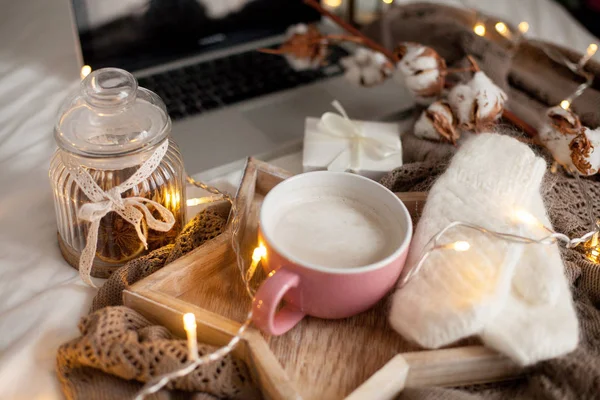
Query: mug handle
x,y
264,308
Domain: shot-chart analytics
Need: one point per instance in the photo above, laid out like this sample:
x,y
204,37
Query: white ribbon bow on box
x,y
131,209
341,126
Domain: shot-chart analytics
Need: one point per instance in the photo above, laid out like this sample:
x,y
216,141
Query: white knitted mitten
x,y
538,320
456,294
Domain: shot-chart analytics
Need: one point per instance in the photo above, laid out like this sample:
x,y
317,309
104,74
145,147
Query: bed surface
x,y
41,297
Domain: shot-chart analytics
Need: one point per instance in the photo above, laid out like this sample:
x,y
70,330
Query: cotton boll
x,y
423,84
478,104
304,47
298,29
366,67
556,133
424,128
418,58
594,138
222,8
353,74
437,123
362,56
585,151
348,62
489,99
380,59
462,100
564,121
421,69
300,64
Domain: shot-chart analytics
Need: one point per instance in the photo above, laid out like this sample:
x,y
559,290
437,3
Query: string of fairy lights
x,y
189,319
578,68
590,240
517,35
519,217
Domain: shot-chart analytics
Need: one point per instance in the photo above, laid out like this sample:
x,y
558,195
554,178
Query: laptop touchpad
x,y
281,117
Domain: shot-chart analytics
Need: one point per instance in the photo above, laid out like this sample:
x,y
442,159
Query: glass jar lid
x,y
110,116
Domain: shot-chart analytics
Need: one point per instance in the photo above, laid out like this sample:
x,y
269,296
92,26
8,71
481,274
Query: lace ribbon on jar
x,y
131,209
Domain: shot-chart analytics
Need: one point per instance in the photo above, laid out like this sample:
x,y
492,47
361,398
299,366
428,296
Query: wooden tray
x,y
318,359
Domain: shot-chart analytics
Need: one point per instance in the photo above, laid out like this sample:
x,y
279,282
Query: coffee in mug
x,y
334,231
336,244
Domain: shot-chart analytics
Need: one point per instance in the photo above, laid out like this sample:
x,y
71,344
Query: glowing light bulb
x,y
388,1
85,71
189,324
501,28
565,104
461,246
592,252
479,29
333,3
258,254
189,321
591,50
523,27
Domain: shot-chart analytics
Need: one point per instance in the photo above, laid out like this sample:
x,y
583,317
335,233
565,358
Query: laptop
x,y
227,100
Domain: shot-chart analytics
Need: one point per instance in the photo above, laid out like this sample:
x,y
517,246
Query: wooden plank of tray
x,y
318,359
459,366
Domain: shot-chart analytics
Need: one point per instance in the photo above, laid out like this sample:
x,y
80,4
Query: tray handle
x,y
448,367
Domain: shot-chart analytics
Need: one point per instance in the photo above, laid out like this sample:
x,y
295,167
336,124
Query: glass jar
x,y
106,133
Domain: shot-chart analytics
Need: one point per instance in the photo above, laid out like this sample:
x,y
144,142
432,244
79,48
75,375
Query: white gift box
x,y
336,143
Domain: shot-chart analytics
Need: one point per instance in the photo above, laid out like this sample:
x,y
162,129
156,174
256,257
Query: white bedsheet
x,y
41,297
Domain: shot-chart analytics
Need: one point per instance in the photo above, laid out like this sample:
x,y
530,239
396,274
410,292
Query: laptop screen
x,y
137,34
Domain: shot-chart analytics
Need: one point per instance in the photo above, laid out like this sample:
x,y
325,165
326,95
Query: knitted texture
x,y
120,342
205,226
119,348
577,374
456,293
537,321
532,80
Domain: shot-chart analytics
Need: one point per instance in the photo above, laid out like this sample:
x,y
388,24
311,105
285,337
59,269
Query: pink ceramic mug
x,y
310,286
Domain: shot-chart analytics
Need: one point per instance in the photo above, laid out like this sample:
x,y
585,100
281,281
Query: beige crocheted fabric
x,y
576,375
205,226
119,349
118,342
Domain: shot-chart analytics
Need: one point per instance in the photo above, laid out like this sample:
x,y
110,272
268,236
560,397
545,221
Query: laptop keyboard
x,y
217,83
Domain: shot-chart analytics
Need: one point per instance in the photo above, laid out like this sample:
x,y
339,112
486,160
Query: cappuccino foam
x,y
333,231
